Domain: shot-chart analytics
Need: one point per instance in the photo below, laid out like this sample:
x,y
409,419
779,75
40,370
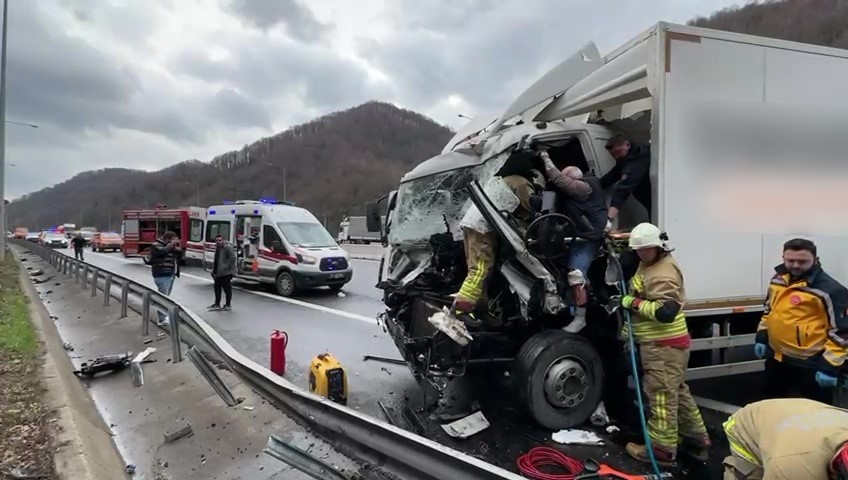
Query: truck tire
x,y
560,378
285,284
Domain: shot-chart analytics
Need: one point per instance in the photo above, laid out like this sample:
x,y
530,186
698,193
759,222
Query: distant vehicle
x,y
278,244
54,240
143,226
32,237
103,241
88,235
21,232
354,230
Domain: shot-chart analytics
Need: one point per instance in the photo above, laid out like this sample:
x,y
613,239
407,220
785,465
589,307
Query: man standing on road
x,y
630,176
223,270
78,242
787,438
587,208
656,300
165,255
803,334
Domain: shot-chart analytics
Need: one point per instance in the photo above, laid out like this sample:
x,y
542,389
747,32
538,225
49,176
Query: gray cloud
x,y
298,20
230,108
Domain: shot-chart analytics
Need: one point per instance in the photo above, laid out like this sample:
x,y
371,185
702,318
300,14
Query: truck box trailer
x,y
747,151
354,230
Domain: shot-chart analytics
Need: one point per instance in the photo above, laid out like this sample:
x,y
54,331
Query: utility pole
x,y
3,133
285,198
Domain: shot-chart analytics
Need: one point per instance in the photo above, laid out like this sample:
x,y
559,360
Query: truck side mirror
x,y
372,217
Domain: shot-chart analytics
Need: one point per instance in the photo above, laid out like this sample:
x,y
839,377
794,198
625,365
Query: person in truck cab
x,y
630,176
656,298
510,190
803,334
586,207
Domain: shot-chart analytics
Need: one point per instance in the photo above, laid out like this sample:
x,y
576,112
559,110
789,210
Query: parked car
x,y
87,235
103,241
54,240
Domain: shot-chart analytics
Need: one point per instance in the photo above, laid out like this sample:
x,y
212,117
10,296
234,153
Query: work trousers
x,y
673,410
737,468
78,254
224,283
480,249
786,380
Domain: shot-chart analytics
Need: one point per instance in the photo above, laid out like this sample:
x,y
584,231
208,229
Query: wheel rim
x,y
566,383
284,283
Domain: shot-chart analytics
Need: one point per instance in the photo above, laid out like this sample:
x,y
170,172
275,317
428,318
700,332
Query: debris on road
x,y
248,408
36,272
577,437
130,468
68,347
468,426
613,429
135,368
378,358
38,281
104,363
148,342
182,432
600,417
341,295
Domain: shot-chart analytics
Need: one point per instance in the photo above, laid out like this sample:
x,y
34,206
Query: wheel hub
x,y
566,384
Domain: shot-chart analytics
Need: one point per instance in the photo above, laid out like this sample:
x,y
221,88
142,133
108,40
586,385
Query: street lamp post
x,y
3,133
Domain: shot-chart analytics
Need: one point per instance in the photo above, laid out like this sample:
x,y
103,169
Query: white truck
x,y
748,150
354,230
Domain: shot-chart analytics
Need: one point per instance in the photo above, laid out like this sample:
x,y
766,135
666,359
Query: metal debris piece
x,y
211,375
600,417
301,460
451,326
378,358
182,432
130,468
68,347
468,426
248,408
613,429
135,367
104,363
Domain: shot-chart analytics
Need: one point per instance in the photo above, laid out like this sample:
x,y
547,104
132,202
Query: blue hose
x,y
638,383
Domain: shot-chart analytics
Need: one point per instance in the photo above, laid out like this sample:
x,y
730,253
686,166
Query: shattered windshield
x,y
436,204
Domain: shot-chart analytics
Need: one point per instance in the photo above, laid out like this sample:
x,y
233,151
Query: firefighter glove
x,y
760,350
630,302
825,380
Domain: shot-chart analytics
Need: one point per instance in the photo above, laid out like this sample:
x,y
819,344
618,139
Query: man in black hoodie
x,y
630,176
165,255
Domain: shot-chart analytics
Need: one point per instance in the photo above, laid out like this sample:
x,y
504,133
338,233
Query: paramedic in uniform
x,y
587,208
630,176
787,439
510,189
802,334
656,298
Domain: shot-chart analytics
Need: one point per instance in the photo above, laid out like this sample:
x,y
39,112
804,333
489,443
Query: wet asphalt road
x,y
319,321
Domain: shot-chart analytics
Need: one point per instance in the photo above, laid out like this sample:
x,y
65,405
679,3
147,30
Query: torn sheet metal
x,y
451,326
501,196
468,426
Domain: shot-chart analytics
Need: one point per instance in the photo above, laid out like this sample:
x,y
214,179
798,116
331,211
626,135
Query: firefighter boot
x,y
696,447
663,456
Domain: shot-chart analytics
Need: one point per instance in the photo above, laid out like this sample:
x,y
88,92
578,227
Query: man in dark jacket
x,y
78,242
223,270
630,176
165,255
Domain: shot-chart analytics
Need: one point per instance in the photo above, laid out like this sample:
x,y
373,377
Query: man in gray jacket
x,y
223,269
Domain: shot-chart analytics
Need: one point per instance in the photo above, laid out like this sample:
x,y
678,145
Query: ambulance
x,y
278,243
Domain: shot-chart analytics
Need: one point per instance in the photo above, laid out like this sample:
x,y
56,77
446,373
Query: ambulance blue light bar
x,y
271,200
211,212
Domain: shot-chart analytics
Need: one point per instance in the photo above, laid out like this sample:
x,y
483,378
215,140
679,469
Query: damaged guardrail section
x,y
415,456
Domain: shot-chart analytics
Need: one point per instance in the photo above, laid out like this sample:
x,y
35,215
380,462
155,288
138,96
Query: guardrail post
x,y
84,276
94,273
145,314
174,314
65,263
125,293
107,290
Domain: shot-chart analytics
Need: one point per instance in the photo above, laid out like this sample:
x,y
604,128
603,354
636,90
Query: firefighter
x,y
586,207
803,333
511,190
656,300
787,438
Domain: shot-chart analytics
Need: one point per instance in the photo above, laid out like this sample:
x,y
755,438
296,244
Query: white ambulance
x,y
278,243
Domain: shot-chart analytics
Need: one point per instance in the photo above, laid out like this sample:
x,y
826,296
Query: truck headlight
x,y
306,259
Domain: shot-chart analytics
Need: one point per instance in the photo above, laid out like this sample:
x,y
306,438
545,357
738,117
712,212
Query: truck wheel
x,y
560,378
285,284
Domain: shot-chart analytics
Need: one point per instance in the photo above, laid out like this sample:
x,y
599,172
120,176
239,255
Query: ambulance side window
x,y
269,236
213,229
196,234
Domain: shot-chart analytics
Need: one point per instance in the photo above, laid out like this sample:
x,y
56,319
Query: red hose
x,y
529,463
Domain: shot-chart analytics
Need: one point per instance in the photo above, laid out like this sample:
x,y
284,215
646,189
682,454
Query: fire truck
x,y
141,227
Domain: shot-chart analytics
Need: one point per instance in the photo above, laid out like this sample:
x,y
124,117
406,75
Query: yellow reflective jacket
x,y
804,320
791,438
659,315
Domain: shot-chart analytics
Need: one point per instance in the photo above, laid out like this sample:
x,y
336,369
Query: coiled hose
x,y
529,464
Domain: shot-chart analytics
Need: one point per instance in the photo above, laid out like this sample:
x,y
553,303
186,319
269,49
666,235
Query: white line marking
x,y
301,303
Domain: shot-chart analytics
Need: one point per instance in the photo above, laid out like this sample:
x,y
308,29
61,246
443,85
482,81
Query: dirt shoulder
x,y
26,450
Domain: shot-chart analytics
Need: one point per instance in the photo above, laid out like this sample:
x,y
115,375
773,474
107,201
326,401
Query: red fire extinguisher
x,y
279,341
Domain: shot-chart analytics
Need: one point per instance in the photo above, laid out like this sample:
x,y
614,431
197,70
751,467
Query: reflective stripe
x,y
832,333
833,359
472,287
735,446
800,352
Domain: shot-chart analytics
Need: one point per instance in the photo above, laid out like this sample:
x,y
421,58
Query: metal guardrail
x,y
417,457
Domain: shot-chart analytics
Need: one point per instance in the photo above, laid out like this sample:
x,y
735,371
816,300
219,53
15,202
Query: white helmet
x,y
573,172
646,235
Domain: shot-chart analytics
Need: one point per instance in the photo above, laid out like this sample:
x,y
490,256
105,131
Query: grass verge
x,y
26,445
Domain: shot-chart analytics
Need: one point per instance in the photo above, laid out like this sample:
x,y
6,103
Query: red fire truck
x,y
141,228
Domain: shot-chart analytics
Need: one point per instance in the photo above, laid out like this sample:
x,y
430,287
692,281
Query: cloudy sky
x,y
149,83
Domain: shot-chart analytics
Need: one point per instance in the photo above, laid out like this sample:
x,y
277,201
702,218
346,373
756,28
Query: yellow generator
x,y
328,378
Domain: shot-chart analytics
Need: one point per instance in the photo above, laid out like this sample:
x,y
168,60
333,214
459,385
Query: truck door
x,y
248,232
213,229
